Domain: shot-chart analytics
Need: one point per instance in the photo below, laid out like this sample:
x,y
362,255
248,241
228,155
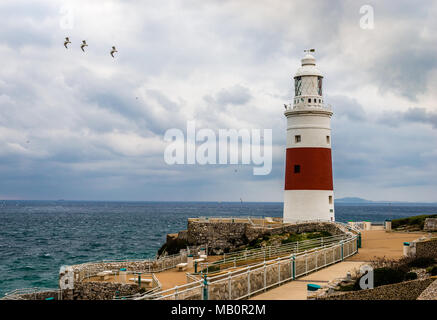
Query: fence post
x,y
265,276
359,240
230,286
294,267
248,283
176,292
342,248
205,288
279,271
306,262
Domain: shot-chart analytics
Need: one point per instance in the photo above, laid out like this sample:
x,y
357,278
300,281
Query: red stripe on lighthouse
x,y
315,169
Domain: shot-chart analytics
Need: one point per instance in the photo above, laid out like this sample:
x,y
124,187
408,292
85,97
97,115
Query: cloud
x,y
77,125
411,115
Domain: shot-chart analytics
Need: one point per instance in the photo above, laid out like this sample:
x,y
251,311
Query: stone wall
x,y
42,295
408,290
430,293
72,284
426,248
430,224
94,290
229,236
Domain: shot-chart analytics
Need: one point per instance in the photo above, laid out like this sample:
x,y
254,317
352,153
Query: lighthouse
x,y
309,190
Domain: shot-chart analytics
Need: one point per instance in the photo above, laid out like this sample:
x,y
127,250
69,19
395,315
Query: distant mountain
x,y
352,200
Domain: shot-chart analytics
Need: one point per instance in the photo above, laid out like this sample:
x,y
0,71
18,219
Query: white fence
x,y
250,280
35,293
247,281
90,269
269,252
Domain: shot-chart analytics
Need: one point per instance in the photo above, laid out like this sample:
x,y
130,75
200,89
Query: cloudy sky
x,y
85,126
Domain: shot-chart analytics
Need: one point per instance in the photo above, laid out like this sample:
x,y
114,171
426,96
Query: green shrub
x,y
383,276
432,270
421,262
348,287
211,269
417,221
411,276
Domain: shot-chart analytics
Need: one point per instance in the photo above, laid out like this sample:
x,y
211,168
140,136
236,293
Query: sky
x,y
85,126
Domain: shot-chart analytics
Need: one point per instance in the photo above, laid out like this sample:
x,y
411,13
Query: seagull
x,y
67,41
83,45
113,51
285,106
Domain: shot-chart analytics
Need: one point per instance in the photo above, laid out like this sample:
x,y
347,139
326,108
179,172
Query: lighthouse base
x,y
302,205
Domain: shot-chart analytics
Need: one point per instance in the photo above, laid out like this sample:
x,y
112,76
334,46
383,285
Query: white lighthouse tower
x,y
309,192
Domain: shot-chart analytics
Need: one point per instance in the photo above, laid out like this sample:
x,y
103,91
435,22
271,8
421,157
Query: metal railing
x,y
239,284
266,253
91,269
189,290
29,293
245,282
156,287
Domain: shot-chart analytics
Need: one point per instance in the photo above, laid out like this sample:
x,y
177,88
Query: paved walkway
x,y
375,243
297,289
379,243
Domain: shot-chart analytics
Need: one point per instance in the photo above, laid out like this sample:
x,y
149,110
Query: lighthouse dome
x,y
308,60
308,67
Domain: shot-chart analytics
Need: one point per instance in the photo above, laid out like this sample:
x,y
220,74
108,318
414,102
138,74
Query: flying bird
x,y
113,51
83,45
66,42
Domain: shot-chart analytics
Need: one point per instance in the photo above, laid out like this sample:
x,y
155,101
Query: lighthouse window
x,y
330,199
327,139
296,168
309,100
297,86
319,85
297,139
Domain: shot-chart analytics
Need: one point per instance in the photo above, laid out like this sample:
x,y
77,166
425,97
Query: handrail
x,y
176,291
15,294
273,251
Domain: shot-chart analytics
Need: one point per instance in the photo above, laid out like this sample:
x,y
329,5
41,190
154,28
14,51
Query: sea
x,y
38,237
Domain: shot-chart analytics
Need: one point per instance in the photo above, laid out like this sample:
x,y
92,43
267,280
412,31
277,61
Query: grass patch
x,y
411,223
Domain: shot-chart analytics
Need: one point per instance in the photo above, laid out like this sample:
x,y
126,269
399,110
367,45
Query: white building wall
x,y
308,205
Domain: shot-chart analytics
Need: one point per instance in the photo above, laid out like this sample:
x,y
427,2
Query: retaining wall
x,y
94,290
229,236
426,248
409,290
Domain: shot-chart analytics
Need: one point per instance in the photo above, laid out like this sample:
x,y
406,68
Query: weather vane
x,y
309,50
